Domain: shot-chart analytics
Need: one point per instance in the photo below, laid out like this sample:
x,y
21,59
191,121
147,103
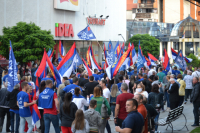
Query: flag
x,y
12,70
65,67
180,61
35,114
122,50
188,60
145,62
117,50
105,56
87,68
61,49
174,54
36,93
78,61
130,56
183,35
152,59
86,34
148,62
134,55
41,71
112,70
111,54
166,63
140,60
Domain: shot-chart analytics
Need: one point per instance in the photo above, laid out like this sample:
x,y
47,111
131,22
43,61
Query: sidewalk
x,y
188,111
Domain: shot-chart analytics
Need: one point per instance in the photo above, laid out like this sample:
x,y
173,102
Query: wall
x,y
172,11
129,15
44,15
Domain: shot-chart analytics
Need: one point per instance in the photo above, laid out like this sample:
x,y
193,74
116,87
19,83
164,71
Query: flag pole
x,y
99,44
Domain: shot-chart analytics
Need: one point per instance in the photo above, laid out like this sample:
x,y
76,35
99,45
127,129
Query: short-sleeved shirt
x,y
96,77
71,88
176,72
21,98
106,94
143,111
134,121
5,78
161,75
52,110
121,100
119,86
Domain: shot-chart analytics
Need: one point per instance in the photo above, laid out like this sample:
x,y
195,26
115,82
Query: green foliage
x,y
28,41
148,44
195,62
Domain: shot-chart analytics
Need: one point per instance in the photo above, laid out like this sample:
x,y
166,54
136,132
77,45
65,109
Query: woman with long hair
x,y
113,96
98,97
131,83
141,90
67,113
79,100
80,125
156,100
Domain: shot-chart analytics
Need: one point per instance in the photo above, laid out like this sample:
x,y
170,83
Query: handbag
x,y
104,110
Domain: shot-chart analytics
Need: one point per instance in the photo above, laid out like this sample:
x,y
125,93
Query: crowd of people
x,y
87,104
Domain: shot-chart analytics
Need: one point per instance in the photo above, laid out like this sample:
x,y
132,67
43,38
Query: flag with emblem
x,y
86,34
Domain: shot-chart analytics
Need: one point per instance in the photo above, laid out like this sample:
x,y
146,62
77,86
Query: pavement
x,y
178,124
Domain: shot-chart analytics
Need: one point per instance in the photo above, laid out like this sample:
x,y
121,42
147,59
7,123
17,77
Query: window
x,y
189,48
164,46
176,46
149,11
197,47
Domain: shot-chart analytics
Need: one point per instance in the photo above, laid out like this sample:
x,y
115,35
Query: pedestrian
x,y
131,83
5,79
89,87
141,90
93,117
79,100
49,101
181,89
147,84
134,121
184,73
151,72
80,125
166,88
71,87
67,113
127,81
161,75
120,78
113,96
195,99
24,108
142,110
188,89
101,100
174,94
196,73
120,110
14,109
86,80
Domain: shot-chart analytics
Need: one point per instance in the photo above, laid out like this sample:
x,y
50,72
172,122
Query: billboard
x,y
72,5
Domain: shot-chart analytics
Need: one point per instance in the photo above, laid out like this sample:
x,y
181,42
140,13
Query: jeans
x,y
48,118
22,124
113,109
108,127
187,93
16,119
42,120
196,106
156,120
102,126
167,99
181,99
3,112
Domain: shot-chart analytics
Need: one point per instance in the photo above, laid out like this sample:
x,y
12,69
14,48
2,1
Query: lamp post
x,y
122,37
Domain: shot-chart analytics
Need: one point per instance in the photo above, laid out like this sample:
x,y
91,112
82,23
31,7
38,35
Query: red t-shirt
x,y
52,110
121,100
143,111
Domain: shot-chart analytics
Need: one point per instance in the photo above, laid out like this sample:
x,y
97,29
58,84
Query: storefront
x,y
66,18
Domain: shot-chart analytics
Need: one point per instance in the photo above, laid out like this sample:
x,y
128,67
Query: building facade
x,y
64,17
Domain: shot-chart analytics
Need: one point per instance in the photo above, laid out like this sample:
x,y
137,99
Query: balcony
x,y
145,5
143,15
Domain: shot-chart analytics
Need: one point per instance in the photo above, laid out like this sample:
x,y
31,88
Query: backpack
x,y
157,103
104,110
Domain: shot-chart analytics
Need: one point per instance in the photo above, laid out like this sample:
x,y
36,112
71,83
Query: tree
x,y
195,61
28,42
148,44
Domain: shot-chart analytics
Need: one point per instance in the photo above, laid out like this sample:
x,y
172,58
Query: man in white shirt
x,y
196,73
188,89
106,91
151,71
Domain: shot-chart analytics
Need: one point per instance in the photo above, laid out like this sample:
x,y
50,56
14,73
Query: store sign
x,y
65,30
96,21
72,5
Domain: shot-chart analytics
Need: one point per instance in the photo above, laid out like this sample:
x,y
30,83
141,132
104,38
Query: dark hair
x,y
48,82
155,88
160,68
42,86
120,78
175,67
93,102
66,102
140,74
185,72
95,70
126,76
145,76
91,78
134,102
79,121
85,75
121,73
76,91
75,79
179,76
23,84
156,77
65,78
81,76
103,81
140,97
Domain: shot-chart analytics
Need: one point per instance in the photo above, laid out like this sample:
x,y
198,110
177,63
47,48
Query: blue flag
x,y
140,61
12,70
86,34
180,61
111,54
115,50
78,61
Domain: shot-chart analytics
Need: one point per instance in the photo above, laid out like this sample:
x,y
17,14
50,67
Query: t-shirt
x,y
106,94
89,87
161,75
176,72
143,111
84,82
5,78
96,77
121,100
52,110
134,121
71,88
21,98
71,81
119,86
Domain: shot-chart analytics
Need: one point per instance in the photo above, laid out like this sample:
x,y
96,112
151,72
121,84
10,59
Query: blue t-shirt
x,y
176,72
21,98
134,121
15,111
45,79
71,81
96,77
71,88
101,76
130,73
119,86
165,72
5,78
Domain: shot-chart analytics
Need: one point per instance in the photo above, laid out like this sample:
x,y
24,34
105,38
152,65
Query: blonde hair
x,y
18,76
114,90
29,78
26,78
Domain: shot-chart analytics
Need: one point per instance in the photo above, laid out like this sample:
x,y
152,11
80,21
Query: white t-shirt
x,y
143,93
106,93
196,74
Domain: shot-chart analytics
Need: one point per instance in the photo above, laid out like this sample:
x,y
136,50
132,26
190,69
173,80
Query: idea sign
x,y
64,30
